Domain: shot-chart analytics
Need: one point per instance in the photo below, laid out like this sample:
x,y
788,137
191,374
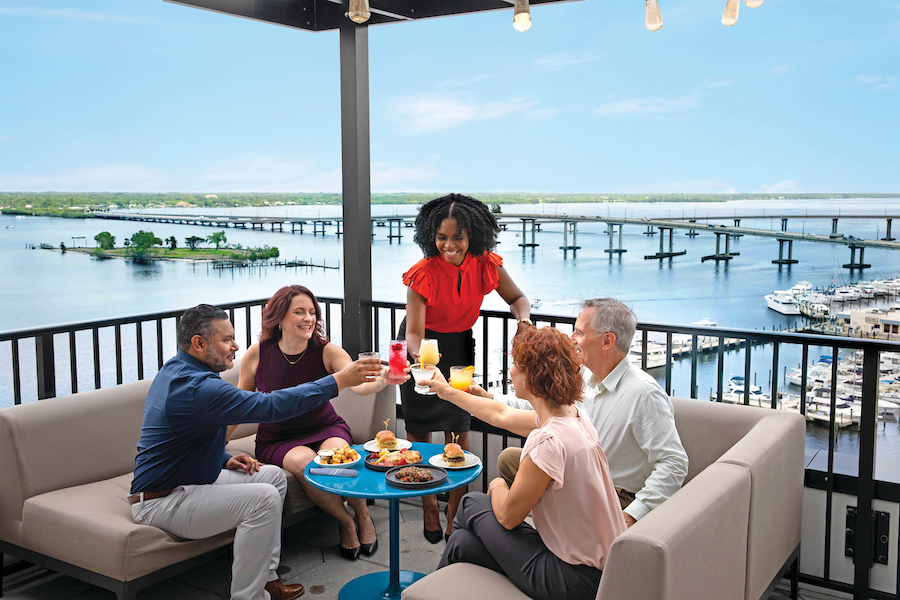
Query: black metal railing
x,y
135,347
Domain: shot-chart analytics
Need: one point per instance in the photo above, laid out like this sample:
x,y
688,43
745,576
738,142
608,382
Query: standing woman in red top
x,y
443,300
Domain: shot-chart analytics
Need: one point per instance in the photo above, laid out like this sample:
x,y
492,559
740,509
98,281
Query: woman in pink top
x,y
563,480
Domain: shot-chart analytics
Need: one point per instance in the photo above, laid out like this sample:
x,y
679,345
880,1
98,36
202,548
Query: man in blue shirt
x,y
184,481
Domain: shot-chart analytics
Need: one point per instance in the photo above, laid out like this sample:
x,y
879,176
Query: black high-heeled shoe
x,y
349,553
369,549
433,536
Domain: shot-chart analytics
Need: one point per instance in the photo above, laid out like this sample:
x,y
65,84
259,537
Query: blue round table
x,y
371,484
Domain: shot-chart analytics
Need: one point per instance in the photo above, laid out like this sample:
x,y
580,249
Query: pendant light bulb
x,y
359,11
730,16
522,16
654,19
753,3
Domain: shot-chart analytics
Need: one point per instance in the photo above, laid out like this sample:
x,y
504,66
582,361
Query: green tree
x,y
62,246
217,238
172,242
142,244
106,240
193,241
495,208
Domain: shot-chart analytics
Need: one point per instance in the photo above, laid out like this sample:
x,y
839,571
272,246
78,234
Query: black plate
x,y
440,476
384,468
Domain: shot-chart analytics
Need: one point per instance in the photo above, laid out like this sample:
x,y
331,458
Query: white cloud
x,y
643,106
782,69
387,177
465,82
714,83
881,82
270,174
72,14
96,178
679,187
435,112
788,186
561,60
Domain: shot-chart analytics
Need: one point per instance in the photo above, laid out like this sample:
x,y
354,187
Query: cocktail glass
x,y
364,355
428,351
423,372
397,357
461,377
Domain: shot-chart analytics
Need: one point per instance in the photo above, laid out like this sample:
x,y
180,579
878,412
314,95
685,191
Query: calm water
x,y
43,287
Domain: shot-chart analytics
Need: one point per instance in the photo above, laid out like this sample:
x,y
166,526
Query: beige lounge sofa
x,y
730,533
69,468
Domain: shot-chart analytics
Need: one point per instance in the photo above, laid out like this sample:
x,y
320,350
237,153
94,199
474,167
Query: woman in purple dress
x,y
293,349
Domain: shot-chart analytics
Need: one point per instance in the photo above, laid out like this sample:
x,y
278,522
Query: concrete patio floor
x,y
309,556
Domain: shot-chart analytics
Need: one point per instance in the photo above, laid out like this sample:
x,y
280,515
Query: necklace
x,y
293,362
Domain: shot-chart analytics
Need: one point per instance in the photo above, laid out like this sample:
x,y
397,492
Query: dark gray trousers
x,y
520,554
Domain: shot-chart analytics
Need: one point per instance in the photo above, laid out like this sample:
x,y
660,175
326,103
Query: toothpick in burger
x,y
386,439
453,453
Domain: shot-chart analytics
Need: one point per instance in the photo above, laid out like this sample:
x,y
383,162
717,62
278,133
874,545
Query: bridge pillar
x,y
650,230
727,255
610,228
317,226
338,231
692,232
391,234
534,228
573,227
834,231
662,253
790,260
280,225
784,223
294,224
737,222
853,264
887,234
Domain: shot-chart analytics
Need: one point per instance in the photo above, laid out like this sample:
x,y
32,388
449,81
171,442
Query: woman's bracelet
x,y
493,487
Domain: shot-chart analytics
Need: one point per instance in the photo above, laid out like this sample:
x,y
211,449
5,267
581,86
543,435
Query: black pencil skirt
x,y
424,414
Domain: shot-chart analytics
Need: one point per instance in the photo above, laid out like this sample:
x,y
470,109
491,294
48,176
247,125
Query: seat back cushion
x,y
366,414
709,429
773,452
693,547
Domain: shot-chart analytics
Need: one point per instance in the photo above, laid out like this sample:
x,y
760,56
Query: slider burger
x,y
453,454
386,439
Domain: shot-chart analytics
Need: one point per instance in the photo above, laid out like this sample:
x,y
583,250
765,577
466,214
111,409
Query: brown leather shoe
x,y
279,591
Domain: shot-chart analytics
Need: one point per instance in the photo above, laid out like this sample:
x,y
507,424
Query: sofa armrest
x,y
366,414
693,547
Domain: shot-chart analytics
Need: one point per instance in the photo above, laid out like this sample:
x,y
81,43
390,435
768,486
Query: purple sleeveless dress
x,y
275,440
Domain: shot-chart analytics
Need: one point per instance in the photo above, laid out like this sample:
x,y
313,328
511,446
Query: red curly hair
x,y
548,360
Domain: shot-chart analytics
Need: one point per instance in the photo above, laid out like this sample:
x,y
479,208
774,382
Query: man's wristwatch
x,y
526,321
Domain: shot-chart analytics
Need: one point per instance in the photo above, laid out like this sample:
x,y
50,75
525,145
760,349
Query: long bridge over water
x,y
532,224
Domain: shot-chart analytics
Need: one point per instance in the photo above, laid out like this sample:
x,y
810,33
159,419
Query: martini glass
x,y
423,372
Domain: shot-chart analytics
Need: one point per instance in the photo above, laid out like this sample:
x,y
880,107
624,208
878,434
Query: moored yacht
x,y
783,302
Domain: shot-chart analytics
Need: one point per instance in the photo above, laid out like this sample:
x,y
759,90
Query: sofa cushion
x,y
693,546
773,452
463,580
91,526
708,429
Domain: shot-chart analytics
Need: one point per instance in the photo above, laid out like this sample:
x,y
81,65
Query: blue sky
x,y
147,96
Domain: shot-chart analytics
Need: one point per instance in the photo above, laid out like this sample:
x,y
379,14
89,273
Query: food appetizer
x,y
385,438
338,456
453,453
384,458
413,475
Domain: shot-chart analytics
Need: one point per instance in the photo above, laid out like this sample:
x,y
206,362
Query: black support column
x,y
356,322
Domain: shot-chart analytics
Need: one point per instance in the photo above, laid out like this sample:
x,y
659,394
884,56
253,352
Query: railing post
x,y
46,366
862,546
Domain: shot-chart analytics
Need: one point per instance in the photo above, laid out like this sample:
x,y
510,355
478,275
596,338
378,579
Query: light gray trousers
x,y
251,504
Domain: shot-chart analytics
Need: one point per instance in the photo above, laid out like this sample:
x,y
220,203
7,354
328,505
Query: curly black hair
x,y
470,214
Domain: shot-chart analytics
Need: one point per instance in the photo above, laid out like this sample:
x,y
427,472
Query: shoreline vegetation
x,y
82,205
183,254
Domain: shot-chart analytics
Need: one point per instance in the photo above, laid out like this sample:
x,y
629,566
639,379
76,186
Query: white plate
x,y
372,445
438,461
340,466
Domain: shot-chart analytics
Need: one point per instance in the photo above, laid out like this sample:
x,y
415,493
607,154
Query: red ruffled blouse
x,y
453,295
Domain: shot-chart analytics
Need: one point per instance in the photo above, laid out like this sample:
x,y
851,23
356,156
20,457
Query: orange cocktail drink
x,y
428,352
461,377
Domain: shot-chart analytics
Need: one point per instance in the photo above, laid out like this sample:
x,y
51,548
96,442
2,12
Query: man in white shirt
x,y
633,415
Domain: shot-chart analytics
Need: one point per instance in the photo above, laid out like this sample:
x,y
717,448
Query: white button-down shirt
x,y
635,423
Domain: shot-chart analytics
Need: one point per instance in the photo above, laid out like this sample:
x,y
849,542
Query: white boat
x,y
846,294
801,289
813,309
656,354
536,303
737,382
783,302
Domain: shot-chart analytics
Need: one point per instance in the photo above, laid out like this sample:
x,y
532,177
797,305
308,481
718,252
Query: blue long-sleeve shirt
x,y
186,413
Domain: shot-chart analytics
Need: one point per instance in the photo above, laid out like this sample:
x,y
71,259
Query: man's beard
x,y
217,361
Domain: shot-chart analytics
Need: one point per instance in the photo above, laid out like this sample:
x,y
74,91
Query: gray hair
x,y
612,317
198,321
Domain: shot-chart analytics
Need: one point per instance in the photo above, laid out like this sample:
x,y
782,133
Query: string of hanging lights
x,y
360,12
